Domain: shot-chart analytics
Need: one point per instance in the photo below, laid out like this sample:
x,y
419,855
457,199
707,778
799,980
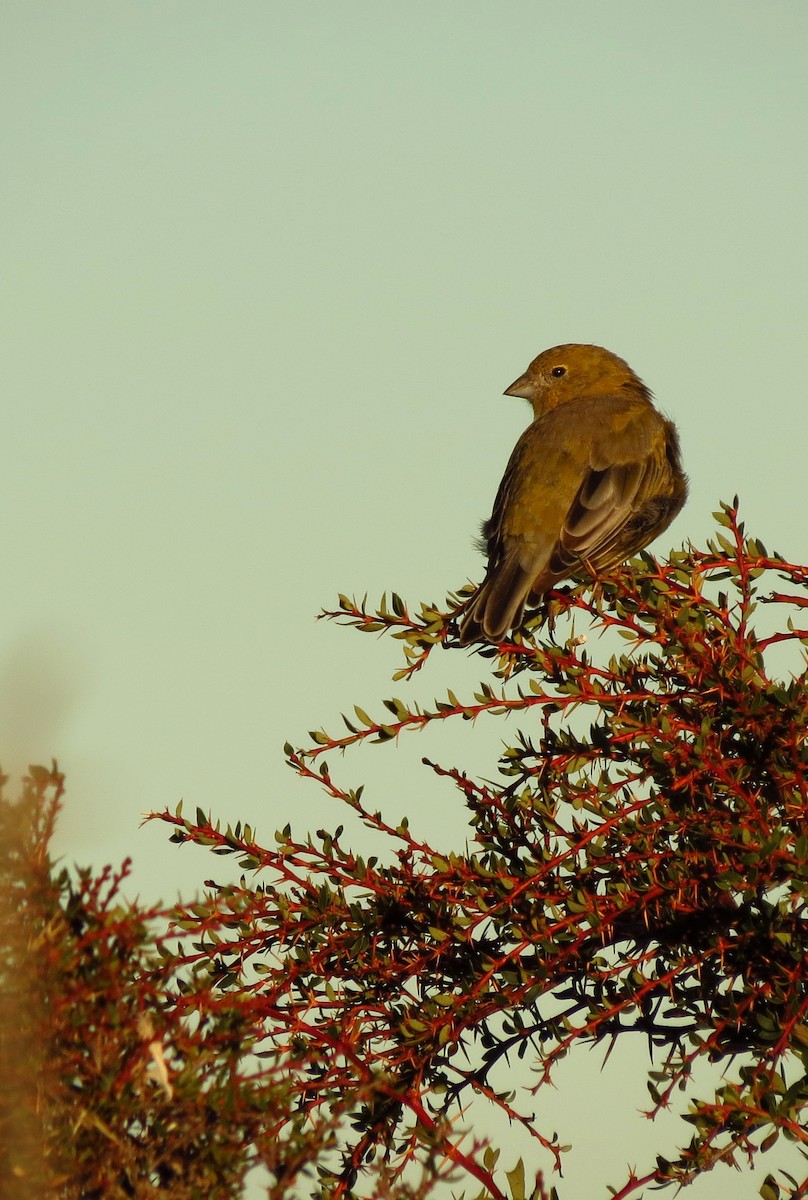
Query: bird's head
x,y
570,372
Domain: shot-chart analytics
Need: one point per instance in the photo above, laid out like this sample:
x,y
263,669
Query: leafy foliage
x,y
639,865
123,1073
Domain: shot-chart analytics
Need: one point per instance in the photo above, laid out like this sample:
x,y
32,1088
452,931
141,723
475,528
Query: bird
x,y
593,479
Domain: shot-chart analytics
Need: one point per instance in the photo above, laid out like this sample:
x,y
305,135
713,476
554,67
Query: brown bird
x,y
592,481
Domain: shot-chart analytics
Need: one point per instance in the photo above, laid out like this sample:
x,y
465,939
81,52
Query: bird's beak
x,y
521,387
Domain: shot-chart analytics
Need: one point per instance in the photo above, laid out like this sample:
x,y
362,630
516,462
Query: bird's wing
x,y
617,503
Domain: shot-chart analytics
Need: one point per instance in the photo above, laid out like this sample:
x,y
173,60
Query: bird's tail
x,y
498,605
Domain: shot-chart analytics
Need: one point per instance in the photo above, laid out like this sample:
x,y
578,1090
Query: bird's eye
x,y
558,372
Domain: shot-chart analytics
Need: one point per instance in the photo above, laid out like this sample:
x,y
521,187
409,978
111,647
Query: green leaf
x,y
516,1181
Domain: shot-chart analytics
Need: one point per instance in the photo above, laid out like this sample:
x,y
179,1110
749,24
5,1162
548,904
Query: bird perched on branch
x,y
594,479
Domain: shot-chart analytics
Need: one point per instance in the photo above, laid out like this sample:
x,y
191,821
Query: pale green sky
x,y
266,271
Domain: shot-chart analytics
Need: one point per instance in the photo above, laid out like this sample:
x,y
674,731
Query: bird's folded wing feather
x,y
606,515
